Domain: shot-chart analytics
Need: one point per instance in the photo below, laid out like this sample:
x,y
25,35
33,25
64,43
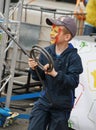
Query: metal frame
x,y
15,47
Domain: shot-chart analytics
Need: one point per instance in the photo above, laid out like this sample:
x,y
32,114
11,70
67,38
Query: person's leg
x,y
88,30
38,119
59,120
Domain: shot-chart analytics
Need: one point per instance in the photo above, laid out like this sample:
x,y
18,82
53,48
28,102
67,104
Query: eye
x,y
55,31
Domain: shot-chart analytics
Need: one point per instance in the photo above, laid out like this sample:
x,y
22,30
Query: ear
x,y
68,37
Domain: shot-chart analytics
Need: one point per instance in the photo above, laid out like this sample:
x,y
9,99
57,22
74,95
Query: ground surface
x,y
19,124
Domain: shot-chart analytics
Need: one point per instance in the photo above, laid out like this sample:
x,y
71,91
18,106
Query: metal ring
x,y
45,53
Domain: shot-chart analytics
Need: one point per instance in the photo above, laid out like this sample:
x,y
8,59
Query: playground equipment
x,y
6,116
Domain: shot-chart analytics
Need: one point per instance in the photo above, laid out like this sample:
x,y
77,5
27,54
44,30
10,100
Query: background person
x,y
90,22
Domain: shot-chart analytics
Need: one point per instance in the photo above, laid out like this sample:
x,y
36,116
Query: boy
x,y
53,108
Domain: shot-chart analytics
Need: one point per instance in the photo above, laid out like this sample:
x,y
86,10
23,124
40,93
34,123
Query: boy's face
x,y
59,34
55,34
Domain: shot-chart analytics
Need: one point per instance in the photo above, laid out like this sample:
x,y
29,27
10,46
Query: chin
x,y
52,42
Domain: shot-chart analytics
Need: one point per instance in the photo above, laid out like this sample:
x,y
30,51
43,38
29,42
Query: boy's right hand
x,y
32,64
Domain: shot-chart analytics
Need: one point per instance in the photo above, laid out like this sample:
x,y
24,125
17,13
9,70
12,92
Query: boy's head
x,y
67,22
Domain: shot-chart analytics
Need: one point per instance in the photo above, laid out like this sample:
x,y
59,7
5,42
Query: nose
x,y
52,32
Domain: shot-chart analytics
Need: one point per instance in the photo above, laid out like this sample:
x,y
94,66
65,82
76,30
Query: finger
x,y
30,59
46,67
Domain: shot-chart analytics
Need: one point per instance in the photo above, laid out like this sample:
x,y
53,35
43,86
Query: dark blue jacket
x,y
60,90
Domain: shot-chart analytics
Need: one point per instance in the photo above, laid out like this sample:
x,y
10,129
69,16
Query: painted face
x,y
54,34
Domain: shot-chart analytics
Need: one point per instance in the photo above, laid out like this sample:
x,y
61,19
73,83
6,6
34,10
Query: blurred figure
x,y
90,22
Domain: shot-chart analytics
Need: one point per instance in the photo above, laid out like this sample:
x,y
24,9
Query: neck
x,y
60,48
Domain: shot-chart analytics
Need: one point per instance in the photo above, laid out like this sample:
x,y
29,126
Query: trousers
x,y
46,118
89,29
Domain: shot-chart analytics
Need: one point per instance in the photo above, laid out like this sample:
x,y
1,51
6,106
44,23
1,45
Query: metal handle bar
x,y
45,53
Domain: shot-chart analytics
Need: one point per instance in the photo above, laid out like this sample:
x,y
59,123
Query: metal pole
x,y
1,5
6,13
4,38
14,56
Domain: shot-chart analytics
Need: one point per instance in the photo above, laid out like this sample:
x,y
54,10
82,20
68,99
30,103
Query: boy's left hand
x,y
53,73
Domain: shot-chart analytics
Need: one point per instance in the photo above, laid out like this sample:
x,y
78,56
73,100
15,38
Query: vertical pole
x,y
4,38
14,56
1,5
7,4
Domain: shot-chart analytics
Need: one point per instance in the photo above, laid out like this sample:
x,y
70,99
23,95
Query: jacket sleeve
x,y
70,79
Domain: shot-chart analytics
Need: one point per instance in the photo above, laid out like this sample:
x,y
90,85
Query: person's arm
x,y
34,67
70,79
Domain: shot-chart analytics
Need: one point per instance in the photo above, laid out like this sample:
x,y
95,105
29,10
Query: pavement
x,y
19,124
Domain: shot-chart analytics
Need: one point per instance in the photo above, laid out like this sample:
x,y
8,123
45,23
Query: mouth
x,y
53,40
